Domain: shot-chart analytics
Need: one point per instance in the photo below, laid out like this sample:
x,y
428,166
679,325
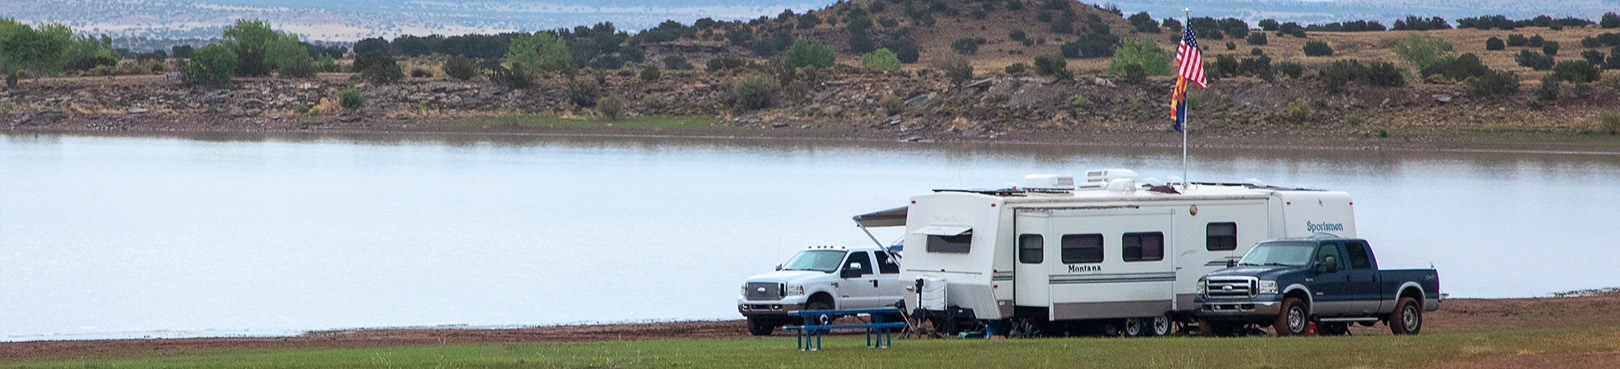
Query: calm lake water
x,y
135,236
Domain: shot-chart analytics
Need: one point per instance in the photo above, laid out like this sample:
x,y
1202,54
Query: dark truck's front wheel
x,y
1407,317
1294,318
761,326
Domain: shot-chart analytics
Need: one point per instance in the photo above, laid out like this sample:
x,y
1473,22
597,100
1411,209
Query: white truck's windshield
x,y
817,260
1280,254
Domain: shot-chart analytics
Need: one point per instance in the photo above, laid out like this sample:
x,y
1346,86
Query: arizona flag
x,y
1189,68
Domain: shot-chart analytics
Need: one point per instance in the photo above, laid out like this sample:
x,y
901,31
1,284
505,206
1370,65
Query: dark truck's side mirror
x,y
1329,264
853,270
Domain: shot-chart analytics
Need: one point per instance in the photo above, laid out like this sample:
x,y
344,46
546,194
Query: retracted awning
x,y
888,218
947,231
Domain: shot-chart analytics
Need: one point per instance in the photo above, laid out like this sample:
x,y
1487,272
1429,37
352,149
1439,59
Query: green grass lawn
x,y
850,352
554,121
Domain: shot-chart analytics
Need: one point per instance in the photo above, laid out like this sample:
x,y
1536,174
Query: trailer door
x,y
1112,263
1034,251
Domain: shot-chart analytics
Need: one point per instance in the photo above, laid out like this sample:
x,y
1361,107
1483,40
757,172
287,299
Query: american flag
x,y
1189,69
1189,61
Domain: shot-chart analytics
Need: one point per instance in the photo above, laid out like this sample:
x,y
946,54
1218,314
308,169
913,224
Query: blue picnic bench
x,y
814,328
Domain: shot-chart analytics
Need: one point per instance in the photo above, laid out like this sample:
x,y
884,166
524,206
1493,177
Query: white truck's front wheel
x,y
760,326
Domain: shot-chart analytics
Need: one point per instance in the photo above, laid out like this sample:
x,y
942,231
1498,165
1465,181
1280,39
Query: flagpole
x,y
1185,126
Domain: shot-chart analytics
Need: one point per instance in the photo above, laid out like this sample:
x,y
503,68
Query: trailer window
x,y
951,244
1358,255
1082,248
1031,249
886,264
1147,246
1220,237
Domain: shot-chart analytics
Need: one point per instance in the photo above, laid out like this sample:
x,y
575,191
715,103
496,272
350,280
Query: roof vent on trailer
x,y
1048,183
1100,178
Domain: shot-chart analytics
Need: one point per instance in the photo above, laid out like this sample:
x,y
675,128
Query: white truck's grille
x,y
1231,287
765,291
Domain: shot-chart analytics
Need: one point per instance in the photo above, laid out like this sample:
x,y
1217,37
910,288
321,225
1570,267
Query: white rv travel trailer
x,y
1112,250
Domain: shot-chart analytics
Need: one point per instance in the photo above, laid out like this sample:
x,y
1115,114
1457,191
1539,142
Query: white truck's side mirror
x,y
852,270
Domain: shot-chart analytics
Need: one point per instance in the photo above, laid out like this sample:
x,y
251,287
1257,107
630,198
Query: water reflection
x,y
276,233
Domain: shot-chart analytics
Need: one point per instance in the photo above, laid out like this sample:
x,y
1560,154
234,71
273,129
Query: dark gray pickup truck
x,y
1290,283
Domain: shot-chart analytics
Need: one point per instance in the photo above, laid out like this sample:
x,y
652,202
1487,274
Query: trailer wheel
x,y
760,326
1160,326
1135,327
1407,317
1293,319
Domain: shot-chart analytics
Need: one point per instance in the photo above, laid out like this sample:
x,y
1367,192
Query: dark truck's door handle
x,y
1347,279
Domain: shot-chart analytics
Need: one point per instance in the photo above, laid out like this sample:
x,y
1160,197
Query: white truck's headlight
x,y
1268,287
795,290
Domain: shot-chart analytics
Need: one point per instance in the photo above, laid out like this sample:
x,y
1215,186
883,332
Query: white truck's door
x,y
863,291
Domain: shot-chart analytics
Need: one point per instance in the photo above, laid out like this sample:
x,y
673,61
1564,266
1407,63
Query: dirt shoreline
x,y
466,128
1454,315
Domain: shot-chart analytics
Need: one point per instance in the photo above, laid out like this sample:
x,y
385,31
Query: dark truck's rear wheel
x,y
1294,318
761,326
1407,317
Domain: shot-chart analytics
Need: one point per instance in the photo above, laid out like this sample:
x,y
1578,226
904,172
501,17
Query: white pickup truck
x,y
820,278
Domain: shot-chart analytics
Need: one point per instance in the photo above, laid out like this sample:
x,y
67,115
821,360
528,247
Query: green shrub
x,y
1080,101
1144,54
651,73
1299,110
460,68
1494,43
211,65
1231,45
301,108
350,98
1578,71
1257,51
965,46
1318,48
1051,65
1017,35
516,79
1134,74
957,68
1550,48
1534,60
724,62
1354,120
1550,87
891,105
805,53
1593,57
302,68
584,91
611,107
1290,69
378,68
12,79
676,62
1017,69
754,91
1609,120
1517,40
1383,74
1456,69
1257,38
1422,50
881,60
1496,82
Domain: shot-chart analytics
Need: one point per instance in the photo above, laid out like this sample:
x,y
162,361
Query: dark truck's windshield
x,y
817,260
1295,254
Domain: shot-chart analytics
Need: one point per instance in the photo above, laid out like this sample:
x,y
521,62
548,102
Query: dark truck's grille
x,y
1230,287
764,291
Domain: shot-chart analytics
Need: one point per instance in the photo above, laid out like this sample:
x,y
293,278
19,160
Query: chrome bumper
x,y
1217,309
756,308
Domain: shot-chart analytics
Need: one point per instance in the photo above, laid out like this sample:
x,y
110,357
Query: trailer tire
x,y
761,326
1407,317
1135,327
1294,318
1159,326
